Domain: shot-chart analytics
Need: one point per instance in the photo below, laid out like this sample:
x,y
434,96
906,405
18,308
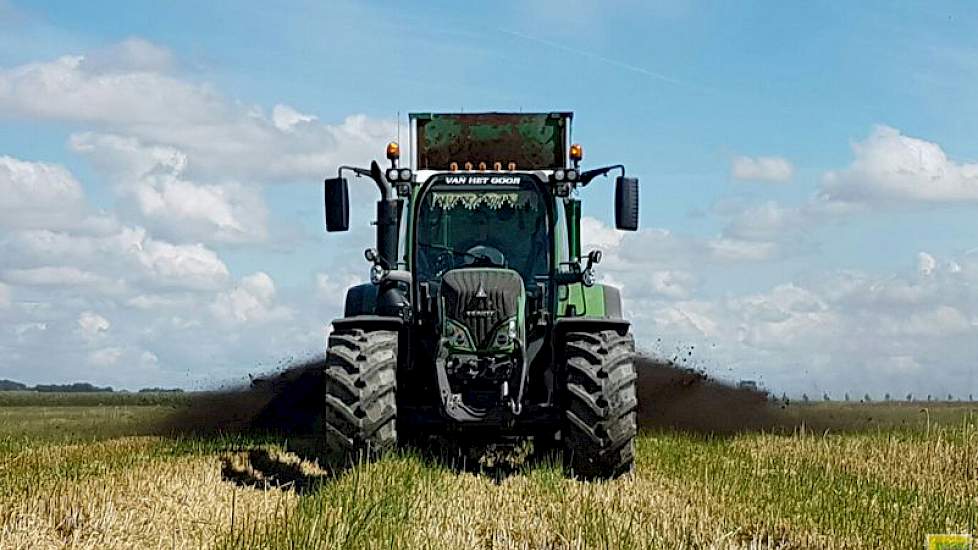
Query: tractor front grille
x,y
480,298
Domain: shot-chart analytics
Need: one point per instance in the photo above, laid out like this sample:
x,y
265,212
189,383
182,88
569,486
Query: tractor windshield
x,y
497,227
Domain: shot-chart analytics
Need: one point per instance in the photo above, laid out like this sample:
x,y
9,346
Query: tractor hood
x,y
482,309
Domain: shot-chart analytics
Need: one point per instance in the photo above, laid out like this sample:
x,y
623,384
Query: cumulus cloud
x,y
131,55
37,194
151,179
331,288
769,221
890,167
187,161
61,276
831,330
127,254
286,118
251,301
661,248
105,357
763,169
131,91
91,325
187,165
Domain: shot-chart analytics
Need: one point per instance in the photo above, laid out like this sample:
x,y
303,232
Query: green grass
x,y
94,399
878,475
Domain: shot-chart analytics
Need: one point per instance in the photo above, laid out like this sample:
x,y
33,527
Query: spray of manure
x,y
288,402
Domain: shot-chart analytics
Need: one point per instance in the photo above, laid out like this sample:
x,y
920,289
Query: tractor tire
x,y
600,407
360,379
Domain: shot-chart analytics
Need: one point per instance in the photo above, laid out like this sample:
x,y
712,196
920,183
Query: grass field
x,y
84,473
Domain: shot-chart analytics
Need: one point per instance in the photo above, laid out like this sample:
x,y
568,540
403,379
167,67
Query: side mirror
x,y
626,203
337,198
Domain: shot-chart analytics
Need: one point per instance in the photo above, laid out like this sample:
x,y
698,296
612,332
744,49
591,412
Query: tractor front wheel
x,y
360,382
599,411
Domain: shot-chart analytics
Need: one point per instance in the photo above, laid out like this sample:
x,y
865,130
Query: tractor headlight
x,y
502,339
571,175
405,174
587,277
376,273
392,174
559,175
505,336
457,336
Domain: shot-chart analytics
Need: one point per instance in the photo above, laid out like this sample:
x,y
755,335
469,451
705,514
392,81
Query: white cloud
x,y
836,331
286,118
331,288
765,169
148,359
105,357
131,92
741,250
890,167
128,157
251,301
185,266
63,276
768,221
187,165
661,249
37,195
219,213
672,284
596,235
92,325
130,55
151,179
926,264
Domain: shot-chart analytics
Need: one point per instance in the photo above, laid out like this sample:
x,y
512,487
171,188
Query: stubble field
x,y
84,471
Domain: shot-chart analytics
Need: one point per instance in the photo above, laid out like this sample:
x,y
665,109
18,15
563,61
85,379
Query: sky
x,y
809,177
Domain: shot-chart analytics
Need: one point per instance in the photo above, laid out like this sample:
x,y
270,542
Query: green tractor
x,y
487,324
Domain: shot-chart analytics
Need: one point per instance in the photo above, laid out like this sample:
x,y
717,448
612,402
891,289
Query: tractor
x,y
488,323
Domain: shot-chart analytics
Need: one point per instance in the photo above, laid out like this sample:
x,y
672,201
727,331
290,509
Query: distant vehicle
x,y
750,385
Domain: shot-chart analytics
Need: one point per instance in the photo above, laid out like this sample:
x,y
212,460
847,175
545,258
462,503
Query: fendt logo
x,y
479,306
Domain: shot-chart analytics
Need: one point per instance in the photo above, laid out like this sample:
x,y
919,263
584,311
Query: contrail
x,y
596,57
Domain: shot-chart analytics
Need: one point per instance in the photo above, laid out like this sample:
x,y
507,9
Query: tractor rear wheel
x,y
360,382
599,415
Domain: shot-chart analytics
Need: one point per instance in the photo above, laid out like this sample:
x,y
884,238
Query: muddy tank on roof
x,y
532,141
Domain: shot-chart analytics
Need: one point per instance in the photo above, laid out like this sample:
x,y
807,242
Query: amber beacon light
x,y
393,151
576,152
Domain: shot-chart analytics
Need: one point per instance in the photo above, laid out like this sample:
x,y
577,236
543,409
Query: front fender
x,y
595,302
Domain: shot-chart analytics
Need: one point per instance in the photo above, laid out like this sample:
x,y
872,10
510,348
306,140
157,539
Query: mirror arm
x,y
589,175
374,173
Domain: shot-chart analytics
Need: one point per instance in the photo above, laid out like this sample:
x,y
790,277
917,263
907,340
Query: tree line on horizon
x,y
76,387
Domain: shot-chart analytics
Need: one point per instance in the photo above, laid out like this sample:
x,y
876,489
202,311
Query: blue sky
x,y
807,171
